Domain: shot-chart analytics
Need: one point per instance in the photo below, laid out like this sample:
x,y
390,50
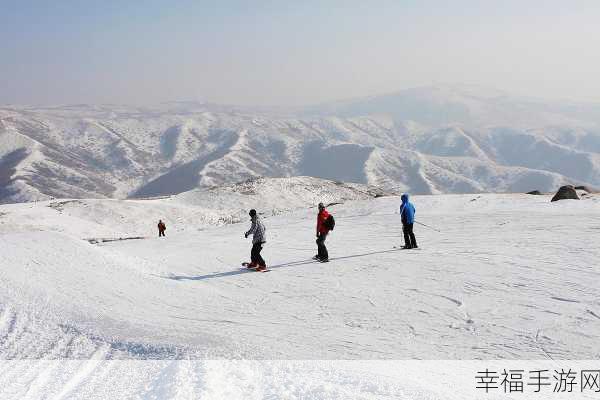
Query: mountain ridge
x,y
424,140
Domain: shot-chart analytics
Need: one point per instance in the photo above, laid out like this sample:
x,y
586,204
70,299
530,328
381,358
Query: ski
x,y
255,270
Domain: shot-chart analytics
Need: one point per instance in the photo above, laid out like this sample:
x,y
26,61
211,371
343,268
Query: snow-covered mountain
x,y
426,140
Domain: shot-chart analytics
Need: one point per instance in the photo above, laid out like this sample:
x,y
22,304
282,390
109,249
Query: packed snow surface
x,y
502,277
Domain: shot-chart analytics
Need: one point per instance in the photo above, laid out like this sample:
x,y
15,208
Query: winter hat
x,y
252,212
321,206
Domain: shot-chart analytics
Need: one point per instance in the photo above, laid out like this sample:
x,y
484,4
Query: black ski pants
x,y
255,256
322,253
410,241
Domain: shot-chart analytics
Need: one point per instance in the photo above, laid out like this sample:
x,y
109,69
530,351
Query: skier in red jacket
x,y
322,231
161,228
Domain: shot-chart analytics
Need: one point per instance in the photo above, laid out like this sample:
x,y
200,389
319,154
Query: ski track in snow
x,y
508,277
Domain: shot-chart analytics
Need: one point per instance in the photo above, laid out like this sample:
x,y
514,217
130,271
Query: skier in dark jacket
x,y
161,228
322,231
407,214
258,232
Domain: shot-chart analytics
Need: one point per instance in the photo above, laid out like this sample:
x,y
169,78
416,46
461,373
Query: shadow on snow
x,y
289,264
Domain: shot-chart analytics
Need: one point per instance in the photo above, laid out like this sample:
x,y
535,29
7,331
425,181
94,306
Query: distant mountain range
x,y
425,140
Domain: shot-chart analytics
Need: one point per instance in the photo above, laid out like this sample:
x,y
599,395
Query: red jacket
x,y
321,218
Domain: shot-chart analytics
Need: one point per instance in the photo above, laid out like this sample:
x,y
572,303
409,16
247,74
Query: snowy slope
x,y
98,219
508,276
492,297
425,140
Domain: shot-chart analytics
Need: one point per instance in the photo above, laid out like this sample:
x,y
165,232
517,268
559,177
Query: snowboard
x,y
404,248
246,264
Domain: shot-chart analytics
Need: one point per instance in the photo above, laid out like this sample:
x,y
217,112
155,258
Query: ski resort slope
x,y
506,277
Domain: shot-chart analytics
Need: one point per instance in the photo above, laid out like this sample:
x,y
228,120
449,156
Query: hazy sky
x,y
292,52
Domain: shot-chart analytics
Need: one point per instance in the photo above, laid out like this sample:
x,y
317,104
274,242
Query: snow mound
x,y
103,220
273,196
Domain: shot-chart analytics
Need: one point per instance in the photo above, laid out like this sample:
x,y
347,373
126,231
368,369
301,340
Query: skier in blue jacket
x,y
407,214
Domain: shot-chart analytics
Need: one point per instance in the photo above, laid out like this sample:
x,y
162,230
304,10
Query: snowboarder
x,y
161,228
323,229
258,232
407,214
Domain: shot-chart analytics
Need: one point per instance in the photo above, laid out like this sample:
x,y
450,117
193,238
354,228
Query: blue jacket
x,y
407,211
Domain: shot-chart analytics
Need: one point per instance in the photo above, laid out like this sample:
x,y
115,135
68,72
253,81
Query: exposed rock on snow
x,y
566,192
586,189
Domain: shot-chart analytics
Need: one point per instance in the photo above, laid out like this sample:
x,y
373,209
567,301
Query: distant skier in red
x,y
325,223
161,228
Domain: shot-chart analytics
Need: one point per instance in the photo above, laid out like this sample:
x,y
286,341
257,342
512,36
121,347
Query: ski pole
x,y
427,226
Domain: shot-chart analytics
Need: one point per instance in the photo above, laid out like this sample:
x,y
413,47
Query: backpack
x,y
329,223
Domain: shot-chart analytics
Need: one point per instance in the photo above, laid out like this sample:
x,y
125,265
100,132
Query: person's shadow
x,y
285,265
